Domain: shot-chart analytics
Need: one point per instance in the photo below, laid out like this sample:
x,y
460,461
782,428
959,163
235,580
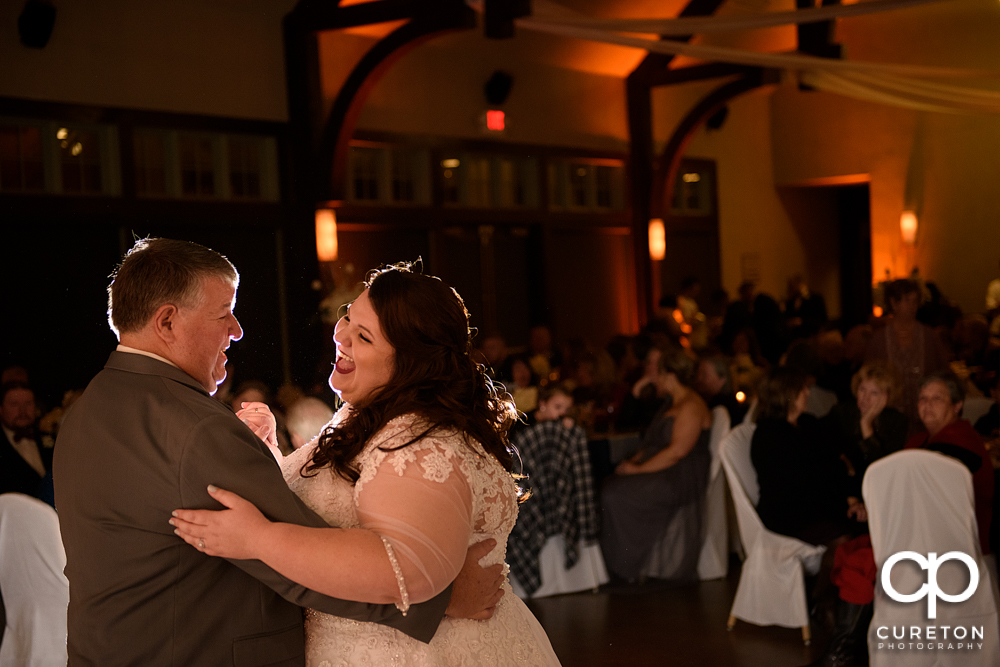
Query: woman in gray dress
x,y
662,487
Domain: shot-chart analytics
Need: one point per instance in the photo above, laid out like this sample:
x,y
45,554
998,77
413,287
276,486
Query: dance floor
x,y
655,624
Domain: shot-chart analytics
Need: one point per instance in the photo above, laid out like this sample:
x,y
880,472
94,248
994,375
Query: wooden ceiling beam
x,y
638,91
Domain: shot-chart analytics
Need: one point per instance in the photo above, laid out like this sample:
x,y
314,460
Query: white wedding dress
x,y
428,501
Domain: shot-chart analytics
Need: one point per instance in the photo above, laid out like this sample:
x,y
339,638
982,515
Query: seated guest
x,y
667,478
805,491
248,392
554,456
868,429
940,404
554,402
644,401
803,357
522,383
306,418
24,462
746,367
988,425
716,387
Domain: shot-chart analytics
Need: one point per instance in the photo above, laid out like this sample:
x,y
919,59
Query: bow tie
x,y
27,432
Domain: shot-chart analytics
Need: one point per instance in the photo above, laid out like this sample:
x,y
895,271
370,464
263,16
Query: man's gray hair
x,y
307,417
160,271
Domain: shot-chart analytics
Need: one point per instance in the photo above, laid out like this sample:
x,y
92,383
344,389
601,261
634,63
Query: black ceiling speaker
x,y
498,87
716,120
35,23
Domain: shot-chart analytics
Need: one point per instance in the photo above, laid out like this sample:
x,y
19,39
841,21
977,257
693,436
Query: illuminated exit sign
x,y
494,120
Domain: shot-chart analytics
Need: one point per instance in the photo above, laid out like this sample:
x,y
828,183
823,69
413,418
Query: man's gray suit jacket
x,y
144,439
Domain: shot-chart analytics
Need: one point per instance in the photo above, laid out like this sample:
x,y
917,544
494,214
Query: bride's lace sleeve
x,y
418,499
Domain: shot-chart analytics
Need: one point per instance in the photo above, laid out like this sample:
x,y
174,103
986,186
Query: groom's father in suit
x,y
146,438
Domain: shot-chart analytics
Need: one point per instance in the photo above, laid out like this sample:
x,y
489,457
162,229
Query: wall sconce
x,y
657,240
326,235
908,227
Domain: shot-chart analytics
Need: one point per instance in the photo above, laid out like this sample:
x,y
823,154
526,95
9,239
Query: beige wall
x,y
437,89
943,166
214,57
224,57
776,231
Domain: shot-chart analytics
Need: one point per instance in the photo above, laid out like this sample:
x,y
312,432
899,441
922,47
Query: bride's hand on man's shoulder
x,y
235,532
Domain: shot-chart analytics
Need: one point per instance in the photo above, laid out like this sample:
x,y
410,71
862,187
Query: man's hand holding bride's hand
x,y
477,589
232,533
260,419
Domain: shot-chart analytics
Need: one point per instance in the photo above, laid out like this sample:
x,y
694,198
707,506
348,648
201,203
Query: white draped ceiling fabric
x,y
919,87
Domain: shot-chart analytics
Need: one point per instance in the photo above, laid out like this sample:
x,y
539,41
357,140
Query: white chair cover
x,y
771,589
922,501
713,562
975,407
35,591
588,573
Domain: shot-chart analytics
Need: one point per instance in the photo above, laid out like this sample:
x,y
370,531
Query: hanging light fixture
x,y
326,235
657,240
908,227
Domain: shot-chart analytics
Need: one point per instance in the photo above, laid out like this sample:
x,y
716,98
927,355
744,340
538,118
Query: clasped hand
x,y
235,532
260,419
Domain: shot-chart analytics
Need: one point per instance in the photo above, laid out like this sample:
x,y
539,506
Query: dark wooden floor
x,y
656,624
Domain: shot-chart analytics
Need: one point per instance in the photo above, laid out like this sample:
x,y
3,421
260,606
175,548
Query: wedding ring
x,y
201,543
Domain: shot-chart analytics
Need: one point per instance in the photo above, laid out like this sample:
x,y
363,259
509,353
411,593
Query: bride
x,y
415,469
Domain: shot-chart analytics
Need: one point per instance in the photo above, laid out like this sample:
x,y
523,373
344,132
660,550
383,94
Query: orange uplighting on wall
x,y
495,120
326,235
877,311
908,227
657,240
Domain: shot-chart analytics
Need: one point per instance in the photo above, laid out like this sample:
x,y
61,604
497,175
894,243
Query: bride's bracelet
x,y
403,606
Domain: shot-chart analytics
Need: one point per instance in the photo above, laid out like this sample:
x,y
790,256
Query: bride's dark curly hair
x,y
434,375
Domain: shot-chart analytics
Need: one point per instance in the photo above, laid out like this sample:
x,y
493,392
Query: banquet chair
x,y
713,561
975,407
922,501
553,549
772,588
35,591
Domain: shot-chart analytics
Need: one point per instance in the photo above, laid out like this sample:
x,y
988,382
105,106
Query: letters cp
x,y
930,590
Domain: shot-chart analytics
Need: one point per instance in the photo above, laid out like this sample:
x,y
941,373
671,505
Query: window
x,y
22,167
365,163
403,189
150,164
478,181
197,166
579,185
450,178
604,182
692,193
594,184
244,168
79,161
510,188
